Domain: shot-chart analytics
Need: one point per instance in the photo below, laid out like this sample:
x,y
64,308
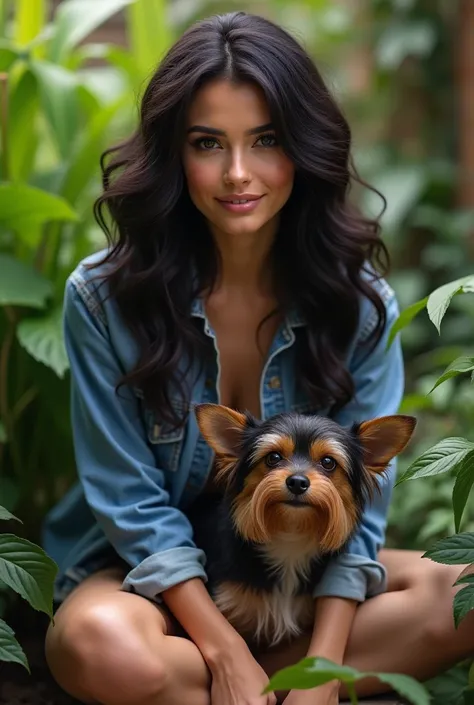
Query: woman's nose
x,y
237,171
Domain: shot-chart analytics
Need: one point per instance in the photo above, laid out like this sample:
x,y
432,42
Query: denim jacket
x,y
138,474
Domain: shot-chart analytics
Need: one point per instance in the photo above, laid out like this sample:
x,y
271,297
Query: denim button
x,y
274,383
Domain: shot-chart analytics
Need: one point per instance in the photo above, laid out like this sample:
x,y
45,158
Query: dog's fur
x,y
267,547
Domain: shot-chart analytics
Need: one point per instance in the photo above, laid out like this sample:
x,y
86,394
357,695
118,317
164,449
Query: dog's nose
x,y
297,484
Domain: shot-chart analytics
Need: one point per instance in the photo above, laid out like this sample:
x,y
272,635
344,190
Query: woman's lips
x,y
246,207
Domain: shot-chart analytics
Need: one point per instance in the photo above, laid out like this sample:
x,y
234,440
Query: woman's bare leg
x,y
409,629
115,648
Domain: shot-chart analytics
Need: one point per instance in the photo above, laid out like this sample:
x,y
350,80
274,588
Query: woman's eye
x,y
206,143
328,463
273,459
267,140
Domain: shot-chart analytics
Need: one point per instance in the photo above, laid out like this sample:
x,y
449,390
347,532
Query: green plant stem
x,y
23,402
352,693
4,124
5,351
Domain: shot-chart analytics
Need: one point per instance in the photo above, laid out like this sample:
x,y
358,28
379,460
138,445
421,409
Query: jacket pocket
x,y
165,439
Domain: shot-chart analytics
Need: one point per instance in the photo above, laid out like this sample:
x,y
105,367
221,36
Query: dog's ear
x,y
221,427
384,438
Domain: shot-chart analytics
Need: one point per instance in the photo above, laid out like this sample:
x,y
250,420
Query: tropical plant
x,y
313,672
61,103
26,569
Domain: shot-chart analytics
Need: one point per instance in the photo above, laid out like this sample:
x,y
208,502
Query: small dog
x,y
294,489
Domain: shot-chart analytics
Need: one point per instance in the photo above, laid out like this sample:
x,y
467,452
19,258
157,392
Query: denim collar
x,y
293,318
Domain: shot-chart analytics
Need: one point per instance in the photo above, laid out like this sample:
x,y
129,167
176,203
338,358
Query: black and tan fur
x,y
294,489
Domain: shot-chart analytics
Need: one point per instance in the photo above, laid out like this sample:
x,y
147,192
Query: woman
x,y
239,273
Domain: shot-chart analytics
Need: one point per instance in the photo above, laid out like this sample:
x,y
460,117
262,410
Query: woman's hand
x,y
327,694
237,679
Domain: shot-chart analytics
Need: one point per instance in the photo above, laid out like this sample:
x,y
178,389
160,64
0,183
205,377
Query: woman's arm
x,y
333,621
123,487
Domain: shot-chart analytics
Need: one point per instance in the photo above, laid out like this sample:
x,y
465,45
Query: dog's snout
x,y
297,484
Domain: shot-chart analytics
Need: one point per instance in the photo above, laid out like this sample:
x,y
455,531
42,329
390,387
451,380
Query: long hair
x,y
161,252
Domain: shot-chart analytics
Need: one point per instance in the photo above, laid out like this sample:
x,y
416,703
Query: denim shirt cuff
x,y
164,570
353,577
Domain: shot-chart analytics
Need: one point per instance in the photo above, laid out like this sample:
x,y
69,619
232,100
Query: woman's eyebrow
x,y
221,133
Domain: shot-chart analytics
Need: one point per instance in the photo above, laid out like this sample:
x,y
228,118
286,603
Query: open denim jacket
x,y
138,475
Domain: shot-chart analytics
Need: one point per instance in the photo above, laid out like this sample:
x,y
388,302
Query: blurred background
x,y
71,74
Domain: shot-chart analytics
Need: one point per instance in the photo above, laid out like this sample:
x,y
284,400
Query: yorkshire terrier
x,y
294,490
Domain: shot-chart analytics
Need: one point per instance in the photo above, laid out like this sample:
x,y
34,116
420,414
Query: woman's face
x,y
237,174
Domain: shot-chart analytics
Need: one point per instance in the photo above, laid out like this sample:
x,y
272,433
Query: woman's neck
x,y
245,263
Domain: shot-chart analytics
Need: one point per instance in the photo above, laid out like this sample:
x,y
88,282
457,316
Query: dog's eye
x,y
273,459
328,463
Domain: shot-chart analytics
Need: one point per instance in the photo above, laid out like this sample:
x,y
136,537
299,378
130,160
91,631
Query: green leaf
x,y
10,649
84,163
28,570
453,550
402,39
76,19
24,206
22,133
405,318
462,488
438,459
439,299
312,672
458,367
59,96
463,603
5,515
29,20
150,36
43,339
8,56
21,285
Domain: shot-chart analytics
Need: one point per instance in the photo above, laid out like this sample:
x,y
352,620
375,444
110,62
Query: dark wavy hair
x,y
161,253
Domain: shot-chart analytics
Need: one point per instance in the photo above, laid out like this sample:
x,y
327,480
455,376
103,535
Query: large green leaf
x,y
402,188
464,601
60,100
21,285
453,550
462,487
76,19
312,672
10,649
405,318
439,299
28,570
458,367
29,20
8,56
24,206
42,337
22,133
84,164
5,515
442,457
150,33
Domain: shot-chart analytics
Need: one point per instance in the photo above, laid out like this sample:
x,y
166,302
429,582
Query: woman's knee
x,y
107,656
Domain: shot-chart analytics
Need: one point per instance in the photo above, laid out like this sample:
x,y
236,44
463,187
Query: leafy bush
x,y
26,569
62,102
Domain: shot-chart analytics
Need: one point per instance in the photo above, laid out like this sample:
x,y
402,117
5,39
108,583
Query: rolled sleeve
x,y
379,382
117,469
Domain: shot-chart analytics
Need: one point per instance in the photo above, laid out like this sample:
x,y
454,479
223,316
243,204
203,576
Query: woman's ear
x,y
384,438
